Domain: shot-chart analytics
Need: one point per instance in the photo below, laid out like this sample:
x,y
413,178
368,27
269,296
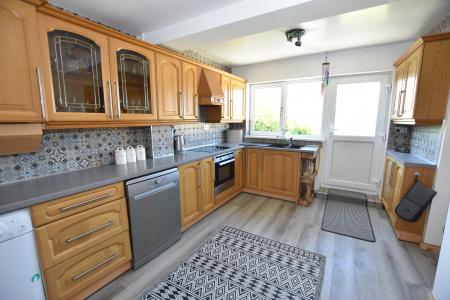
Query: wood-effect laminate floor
x,y
355,269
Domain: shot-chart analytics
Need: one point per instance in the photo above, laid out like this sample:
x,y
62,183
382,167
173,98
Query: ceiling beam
x,y
250,17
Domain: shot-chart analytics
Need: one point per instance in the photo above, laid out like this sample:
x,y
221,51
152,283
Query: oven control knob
x,y
158,181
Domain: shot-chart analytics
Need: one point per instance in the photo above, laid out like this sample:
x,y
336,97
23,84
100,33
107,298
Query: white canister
x,y
140,153
131,154
120,156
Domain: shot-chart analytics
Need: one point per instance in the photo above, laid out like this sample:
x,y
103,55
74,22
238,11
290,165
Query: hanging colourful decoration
x,y
325,74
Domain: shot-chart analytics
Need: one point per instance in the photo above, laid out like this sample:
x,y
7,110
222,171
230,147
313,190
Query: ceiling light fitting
x,y
295,33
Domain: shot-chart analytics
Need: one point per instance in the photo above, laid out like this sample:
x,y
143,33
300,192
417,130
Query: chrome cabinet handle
x,y
118,100
74,278
111,113
65,208
180,100
231,108
400,101
41,94
196,106
69,240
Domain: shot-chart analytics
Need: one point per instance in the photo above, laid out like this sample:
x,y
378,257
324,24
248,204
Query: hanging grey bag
x,y
415,202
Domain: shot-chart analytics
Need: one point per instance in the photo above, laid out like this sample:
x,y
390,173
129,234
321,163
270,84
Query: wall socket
x,y
206,126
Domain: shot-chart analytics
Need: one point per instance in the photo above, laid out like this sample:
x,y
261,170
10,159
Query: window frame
x,y
251,133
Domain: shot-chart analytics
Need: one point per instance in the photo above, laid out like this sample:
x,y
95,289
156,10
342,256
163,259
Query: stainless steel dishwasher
x,y
154,214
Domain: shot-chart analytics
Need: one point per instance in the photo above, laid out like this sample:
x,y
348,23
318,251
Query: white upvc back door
x,y
357,118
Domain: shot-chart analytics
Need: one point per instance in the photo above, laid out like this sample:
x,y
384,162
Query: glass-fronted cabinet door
x,y
133,78
76,72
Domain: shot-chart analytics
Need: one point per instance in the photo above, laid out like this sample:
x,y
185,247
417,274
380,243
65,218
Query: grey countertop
x,y
25,193
408,159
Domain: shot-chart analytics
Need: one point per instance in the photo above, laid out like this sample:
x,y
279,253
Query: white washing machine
x,y
20,276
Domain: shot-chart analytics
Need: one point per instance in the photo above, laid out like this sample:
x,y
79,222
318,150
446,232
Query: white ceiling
x,y
137,16
239,32
389,23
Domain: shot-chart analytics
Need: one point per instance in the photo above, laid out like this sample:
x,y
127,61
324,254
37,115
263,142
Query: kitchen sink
x,y
284,146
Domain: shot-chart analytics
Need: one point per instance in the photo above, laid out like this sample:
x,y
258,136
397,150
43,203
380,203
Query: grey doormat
x,y
346,213
235,264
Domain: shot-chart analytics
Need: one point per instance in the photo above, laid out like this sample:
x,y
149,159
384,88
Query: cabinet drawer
x,y
65,238
63,207
76,274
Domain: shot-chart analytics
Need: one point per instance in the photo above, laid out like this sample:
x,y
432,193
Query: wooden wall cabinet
x,y
272,173
189,93
70,72
169,88
76,72
422,82
225,82
398,180
237,100
21,77
133,81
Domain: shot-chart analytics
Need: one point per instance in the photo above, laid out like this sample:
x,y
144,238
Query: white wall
x,y
441,288
438,211
361,60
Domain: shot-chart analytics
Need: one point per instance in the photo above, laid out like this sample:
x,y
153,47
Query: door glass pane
x,y
267,104
134,82
304,108
76,73
357,108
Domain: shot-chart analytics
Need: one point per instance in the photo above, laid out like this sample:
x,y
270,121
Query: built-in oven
x,y
224,172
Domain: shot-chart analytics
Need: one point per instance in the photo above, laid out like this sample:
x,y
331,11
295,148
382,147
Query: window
x,y
267,109
293,108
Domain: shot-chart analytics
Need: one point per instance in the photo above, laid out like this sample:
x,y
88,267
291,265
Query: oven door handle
x,y
225,162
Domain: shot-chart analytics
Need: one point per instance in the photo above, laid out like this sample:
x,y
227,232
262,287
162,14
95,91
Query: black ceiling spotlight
x,y
295,33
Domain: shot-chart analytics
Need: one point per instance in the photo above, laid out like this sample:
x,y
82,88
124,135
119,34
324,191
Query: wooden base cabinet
x,y
197,197
398,180
83,241
273,173
196,191
76,276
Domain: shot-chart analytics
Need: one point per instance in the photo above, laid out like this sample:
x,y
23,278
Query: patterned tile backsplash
x,y
422,141
400,137
70,150
426,142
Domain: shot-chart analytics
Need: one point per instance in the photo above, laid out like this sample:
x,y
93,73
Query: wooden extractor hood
x,y
209,88
20,138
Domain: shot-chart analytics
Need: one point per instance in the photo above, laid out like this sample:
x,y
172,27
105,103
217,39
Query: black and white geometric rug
x,y
235,264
